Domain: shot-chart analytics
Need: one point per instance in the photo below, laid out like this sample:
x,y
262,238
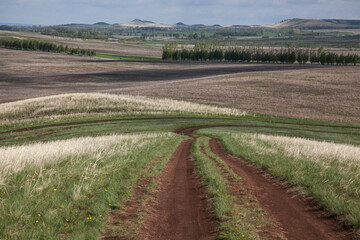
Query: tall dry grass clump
x,y
95,104
14,159
321,152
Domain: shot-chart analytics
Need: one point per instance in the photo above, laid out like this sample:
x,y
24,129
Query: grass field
x,y
88,146
72,106
124,145
68,162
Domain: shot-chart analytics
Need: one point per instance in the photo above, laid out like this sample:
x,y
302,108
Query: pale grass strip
x,y
315,150
82,103
14,159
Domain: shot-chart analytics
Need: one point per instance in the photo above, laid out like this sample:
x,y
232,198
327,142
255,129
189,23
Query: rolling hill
x,y
304,23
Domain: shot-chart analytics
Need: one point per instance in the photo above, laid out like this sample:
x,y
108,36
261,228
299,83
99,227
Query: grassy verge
x,y
70,197
240,218
154,123
127,58
326,171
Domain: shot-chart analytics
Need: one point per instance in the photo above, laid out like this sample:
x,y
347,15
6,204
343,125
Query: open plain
x,y
94,148
328,93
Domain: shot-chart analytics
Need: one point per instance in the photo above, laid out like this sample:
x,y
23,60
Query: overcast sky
x,y
224,12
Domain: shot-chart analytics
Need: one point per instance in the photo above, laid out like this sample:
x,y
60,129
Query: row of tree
x,y
289,55
35,45
62,31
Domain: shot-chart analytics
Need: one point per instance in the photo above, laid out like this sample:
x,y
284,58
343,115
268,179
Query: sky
x,y
209,12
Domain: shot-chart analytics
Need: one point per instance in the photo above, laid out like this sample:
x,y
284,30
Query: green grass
x,y
333,182
126,58
72,197
22,201
144,123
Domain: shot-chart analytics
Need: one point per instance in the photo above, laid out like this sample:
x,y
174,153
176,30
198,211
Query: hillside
x,y
302,23
316,23
144,23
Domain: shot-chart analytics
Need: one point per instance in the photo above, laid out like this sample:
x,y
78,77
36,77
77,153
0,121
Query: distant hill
x,y
101,23
244,26
16,24
149,24
198,25
180,24
300,23
304,23
144,23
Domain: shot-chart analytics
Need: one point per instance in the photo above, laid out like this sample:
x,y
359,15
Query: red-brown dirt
x,y
179,213
299,217
180,207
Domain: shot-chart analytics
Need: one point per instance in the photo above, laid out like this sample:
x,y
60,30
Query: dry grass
x,y
95,104
319,152
17,158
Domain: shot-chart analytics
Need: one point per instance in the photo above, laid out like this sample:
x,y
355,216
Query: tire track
x,y
180,208
187,128
299,218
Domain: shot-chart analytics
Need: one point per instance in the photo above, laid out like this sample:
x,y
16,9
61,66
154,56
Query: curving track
x,y
180,207
180,212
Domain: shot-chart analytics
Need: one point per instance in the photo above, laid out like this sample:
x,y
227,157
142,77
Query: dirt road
x,y
179,212
180,209
299,217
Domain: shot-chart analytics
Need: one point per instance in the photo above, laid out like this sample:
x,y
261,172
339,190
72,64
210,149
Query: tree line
x,y
61,31
208,52
35,45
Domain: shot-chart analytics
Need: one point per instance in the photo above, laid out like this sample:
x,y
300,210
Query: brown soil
x,y
309,91
300,218
180,208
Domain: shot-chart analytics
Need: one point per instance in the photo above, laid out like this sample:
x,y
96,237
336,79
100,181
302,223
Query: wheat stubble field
x,y
104,149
